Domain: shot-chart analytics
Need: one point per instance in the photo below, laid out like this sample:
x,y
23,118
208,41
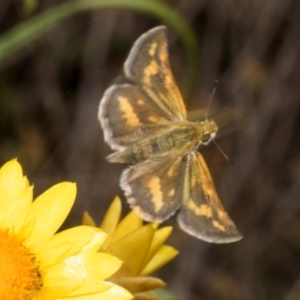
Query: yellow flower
x,y
36,263
140,247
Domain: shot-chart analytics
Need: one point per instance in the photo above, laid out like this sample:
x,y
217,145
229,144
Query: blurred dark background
x,y
49,96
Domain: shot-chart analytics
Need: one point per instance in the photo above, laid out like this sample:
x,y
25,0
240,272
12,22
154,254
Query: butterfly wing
x,y
127,114
154,188
157,189
148,66
202,214
131,110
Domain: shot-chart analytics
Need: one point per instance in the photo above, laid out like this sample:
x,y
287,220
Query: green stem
x,y
26,32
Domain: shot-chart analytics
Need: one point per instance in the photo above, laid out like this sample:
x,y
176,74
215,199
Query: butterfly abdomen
x,y
173,141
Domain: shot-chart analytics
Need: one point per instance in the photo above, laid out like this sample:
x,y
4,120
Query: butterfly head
x,y
209,130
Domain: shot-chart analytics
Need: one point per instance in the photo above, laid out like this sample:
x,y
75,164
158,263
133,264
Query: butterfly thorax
x,y
171,141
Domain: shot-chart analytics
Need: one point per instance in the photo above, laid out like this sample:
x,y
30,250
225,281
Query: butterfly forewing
x,y
127,114
129,111
148,66
202,214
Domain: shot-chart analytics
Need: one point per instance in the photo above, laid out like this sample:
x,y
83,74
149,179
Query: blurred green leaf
x,y
164,294
28,31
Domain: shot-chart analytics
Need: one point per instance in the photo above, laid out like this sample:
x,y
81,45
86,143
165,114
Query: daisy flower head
x,y
38,263
140,247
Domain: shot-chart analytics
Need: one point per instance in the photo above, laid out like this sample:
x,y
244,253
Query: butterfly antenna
x,y
223,153
211,97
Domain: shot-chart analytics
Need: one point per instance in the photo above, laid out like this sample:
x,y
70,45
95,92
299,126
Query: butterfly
x,y
144,120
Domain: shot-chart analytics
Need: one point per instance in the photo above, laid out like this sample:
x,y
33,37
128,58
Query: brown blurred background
x,y
49,95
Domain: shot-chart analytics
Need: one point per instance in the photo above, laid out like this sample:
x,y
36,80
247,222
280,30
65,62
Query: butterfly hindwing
x,y
148,66
154,188
202,214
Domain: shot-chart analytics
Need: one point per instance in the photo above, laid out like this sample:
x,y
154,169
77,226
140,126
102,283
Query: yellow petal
x,y
65,288
96,291
114,293
155,225
70,242
11,185
160,258
49,211
160,237
27,230
18,211
111,220
112,216
139,284
95,244
80,268
88,220
133,250
59,290
91,287
130,223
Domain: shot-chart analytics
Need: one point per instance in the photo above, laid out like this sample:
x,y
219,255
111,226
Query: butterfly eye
x,y
205,137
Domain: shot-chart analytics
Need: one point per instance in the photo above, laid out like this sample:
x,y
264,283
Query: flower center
x,y
20,276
